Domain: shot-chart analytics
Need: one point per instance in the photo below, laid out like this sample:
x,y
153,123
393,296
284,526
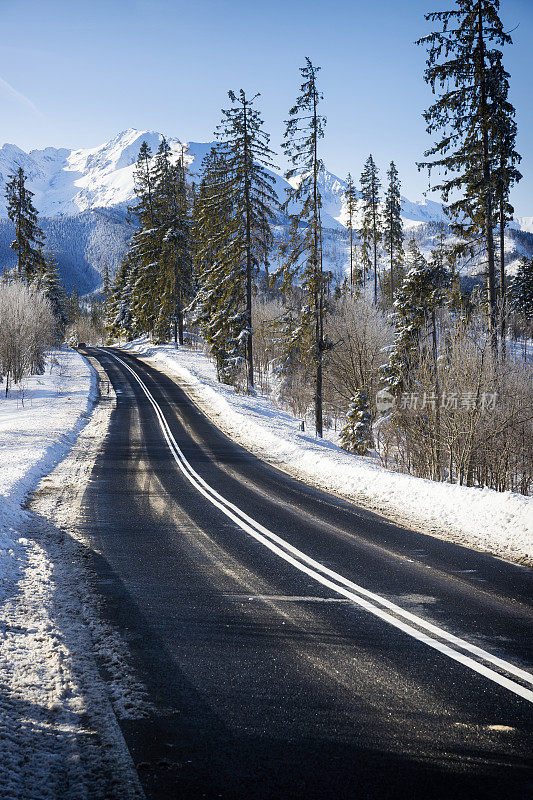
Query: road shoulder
x,y
59,734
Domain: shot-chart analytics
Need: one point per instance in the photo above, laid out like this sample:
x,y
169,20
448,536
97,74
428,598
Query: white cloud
x,y
12,94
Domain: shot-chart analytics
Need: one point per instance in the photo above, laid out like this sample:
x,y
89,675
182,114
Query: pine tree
x,y
119,316
371,231
393,226
356,436
463,59
292,352
29,238
421,292
244,145
144,249
504,170
219,304
350,198
106,282
521,290
172,222
302,256
48,280
73,306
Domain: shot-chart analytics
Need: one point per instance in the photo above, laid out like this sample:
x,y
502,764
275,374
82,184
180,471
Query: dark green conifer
x,y
350,198
144,250
505,173
172,220
356,436
372,228
420,293
48,280
219,304
521,290
302,255
29,238
393,227
464,69
244,145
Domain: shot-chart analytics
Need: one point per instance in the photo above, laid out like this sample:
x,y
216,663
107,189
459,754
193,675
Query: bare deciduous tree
x,y
27,330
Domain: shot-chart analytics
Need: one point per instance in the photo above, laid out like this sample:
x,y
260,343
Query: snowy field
x,y
59,737
497,522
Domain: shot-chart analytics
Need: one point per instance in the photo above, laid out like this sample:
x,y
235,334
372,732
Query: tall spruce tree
x,y
421,292
350,198
29,238
302,255
372,230
119,317
219,303
48,280
106,281
463,68
521,290
244,145
172,221
416,303
144,251
393,226
505,159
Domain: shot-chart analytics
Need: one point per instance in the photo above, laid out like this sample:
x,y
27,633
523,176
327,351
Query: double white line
x,y
452,646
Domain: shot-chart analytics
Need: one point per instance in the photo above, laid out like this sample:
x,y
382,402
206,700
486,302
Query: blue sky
x,y
75,73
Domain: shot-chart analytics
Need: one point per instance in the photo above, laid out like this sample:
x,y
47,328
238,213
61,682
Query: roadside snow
x,y
497,522
39,422
59,736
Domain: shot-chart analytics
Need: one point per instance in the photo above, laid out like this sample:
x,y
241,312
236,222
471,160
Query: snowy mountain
x,y
81,196
67,182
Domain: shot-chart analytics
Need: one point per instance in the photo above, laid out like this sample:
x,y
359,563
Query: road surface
x,y
293,645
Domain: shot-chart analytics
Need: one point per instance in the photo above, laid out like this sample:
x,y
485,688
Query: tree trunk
x,y
351,252
503,308
375,243
249,345
437,442
318,283
489,235
391,267
318,385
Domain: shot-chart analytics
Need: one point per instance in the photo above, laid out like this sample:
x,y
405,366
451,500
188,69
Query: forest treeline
x,y
396,353
400,322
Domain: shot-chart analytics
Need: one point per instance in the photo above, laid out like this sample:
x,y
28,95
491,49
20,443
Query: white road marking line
x,y
287,598
339,584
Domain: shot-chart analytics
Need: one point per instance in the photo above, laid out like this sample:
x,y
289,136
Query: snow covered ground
x,y
59,735
500,523
38,423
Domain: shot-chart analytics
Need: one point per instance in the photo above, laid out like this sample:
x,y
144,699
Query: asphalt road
x,y
288,668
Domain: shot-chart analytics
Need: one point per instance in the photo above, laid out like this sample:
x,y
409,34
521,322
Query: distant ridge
x,y
82,195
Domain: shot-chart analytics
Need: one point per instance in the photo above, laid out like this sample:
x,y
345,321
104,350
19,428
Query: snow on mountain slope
x,y
525,224
67,182
81,196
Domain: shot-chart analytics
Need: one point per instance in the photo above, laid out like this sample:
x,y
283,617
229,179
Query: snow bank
x,y
59,736
39,422
498,522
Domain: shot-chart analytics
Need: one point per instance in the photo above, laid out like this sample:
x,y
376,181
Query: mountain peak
x,y
66,182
